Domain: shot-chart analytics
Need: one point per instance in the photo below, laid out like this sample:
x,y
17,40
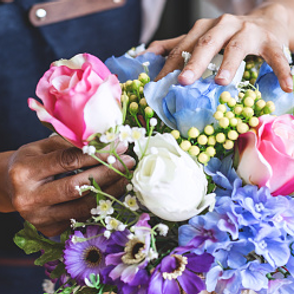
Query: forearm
x,y
5,201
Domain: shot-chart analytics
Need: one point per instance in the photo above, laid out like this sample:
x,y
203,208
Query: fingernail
x,y
188,75
289,83
223,74
121,148
128,160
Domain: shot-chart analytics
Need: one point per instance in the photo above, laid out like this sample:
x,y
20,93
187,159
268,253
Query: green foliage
x,y
29,240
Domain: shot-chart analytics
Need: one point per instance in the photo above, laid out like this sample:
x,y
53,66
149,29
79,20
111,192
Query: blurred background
x,y
18,275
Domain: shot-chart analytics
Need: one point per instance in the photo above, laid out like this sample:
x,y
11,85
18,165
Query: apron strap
x,y
56,11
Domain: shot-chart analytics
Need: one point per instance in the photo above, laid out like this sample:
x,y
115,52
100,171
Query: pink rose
x,y
80,98
267,159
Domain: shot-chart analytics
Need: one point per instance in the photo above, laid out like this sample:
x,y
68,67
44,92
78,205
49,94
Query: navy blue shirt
x,y
26,52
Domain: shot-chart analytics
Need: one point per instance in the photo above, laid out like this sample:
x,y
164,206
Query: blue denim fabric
x,y
26,53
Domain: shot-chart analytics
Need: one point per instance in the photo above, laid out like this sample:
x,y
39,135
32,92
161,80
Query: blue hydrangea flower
x,y
270,89
129,68
280,285
182,107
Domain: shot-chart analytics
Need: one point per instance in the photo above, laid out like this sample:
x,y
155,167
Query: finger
x,y
274,56
58,217
64,189
163,47
207,46
175,59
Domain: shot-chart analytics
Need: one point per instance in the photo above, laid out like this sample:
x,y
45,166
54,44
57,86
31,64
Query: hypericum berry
x,y
218,115
258,94
134,108
250,93
224,122
202,140
229,114
203,158
149,112
144,78
232,102
211,141
233,122
228,145
176,134
133,98
248,112
222,108
143,103
209,130
270,107
220,138
233,135
193,133
136,84
242,128
194,150
238,109
260,104
253,122
248,101
225,97
185,145
210,151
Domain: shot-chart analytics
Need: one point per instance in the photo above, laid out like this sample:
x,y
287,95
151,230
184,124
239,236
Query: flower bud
x,y
253,122
233,122
252,81
211,141
202,140
241,95
224,122
222,108
220,138
210,151
141,91
194,150
258,94
242,128
144,78
125,98
248,101
133,98
228,145
136,84
134,108
250,64
270,107
225,97
218,115
143,103
176,134
203,158
149,112
193,133
128,85
246,75
122,86
185,145
232,102
253,74
248,112
250,93
209,130
233,135
153,122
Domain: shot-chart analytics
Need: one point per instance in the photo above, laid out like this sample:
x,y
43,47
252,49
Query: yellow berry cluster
x,y
252,67
134,101
234,118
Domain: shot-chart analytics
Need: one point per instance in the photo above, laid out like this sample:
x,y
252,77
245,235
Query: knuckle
x,y
235,46
70,185
226,18
176,53
200,23
205,40
70,159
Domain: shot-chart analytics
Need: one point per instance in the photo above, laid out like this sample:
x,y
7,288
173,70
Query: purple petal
x,y
199,263
171,287
114,259
156,283
191,283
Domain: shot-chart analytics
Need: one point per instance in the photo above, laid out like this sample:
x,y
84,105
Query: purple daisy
x,y
177,273
84,258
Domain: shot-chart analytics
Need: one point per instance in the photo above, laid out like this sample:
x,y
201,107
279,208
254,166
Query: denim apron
x,y
27,51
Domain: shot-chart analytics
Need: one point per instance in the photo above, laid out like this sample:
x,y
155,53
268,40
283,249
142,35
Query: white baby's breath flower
x,y
138,134
125,133
108,137
129,187
48,286
153,122
88,283
131,203
107,234
136,50
213,67
162,229
89,149
72,222
242,84
111,159
74,239
104,208
186,55
113,224
287,53
152,254
84,188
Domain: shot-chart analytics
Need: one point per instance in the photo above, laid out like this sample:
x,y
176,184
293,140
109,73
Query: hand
x,y
47,203
262,33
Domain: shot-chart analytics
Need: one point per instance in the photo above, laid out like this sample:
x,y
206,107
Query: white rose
x,y
169,182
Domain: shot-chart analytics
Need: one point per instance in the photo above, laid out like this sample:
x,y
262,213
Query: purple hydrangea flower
x,y
84,258
177,273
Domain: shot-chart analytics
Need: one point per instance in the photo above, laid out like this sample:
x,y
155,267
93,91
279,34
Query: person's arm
x,y
28,184
262,32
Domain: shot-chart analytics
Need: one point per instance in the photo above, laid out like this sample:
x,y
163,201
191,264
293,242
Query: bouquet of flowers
x,y
208,205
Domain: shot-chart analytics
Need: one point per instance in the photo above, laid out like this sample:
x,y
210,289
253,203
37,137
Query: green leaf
x,y
58,271
29,240
65,235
